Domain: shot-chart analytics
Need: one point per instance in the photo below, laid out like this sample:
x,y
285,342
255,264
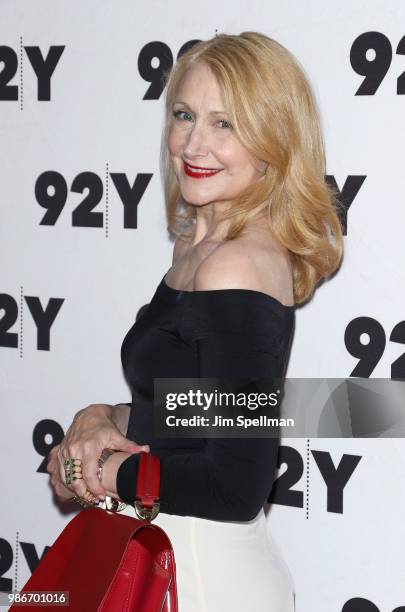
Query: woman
x,y
256,227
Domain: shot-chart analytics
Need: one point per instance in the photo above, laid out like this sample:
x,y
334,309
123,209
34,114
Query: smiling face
x,y
209,161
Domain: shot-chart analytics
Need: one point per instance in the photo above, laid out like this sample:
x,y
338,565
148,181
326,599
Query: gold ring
x,y
71,467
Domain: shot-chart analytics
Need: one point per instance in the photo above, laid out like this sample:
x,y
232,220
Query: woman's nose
x,y
196,143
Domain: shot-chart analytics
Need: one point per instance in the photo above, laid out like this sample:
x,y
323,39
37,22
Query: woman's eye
x,y
177,114
183,115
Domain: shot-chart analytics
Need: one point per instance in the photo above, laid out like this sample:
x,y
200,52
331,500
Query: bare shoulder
x,y
244,264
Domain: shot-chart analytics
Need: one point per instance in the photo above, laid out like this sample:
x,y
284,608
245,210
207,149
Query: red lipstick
x,y
194,172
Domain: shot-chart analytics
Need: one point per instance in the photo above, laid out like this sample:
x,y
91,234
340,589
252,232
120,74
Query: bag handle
x,y
147,491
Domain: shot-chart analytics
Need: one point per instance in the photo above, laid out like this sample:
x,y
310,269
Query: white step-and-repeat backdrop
x,y
84,244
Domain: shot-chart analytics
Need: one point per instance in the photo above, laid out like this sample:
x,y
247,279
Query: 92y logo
x,y
43,318
84,214
154,74
370,353
371,56
30,554
335,478
43,67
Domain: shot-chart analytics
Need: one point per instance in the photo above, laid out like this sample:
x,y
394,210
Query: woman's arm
x,y
228,479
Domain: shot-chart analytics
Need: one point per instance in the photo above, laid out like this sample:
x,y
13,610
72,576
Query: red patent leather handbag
x,y
110,562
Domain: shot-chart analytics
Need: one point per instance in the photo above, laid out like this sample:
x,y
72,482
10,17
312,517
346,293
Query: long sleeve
x,y
227,479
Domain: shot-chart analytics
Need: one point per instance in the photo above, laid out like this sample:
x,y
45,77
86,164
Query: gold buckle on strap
x,y
143,512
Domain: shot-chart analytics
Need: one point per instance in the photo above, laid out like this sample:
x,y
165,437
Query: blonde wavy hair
x,y
274,115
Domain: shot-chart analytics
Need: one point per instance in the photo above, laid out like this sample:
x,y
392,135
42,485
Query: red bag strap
x,y
147,486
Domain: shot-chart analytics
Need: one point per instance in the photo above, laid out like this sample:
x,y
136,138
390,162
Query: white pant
x,y
227,566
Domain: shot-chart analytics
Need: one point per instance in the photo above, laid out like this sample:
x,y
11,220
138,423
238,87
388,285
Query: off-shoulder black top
x,y
192,334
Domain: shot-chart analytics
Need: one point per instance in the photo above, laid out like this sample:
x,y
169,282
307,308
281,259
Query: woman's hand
x,y
92,430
